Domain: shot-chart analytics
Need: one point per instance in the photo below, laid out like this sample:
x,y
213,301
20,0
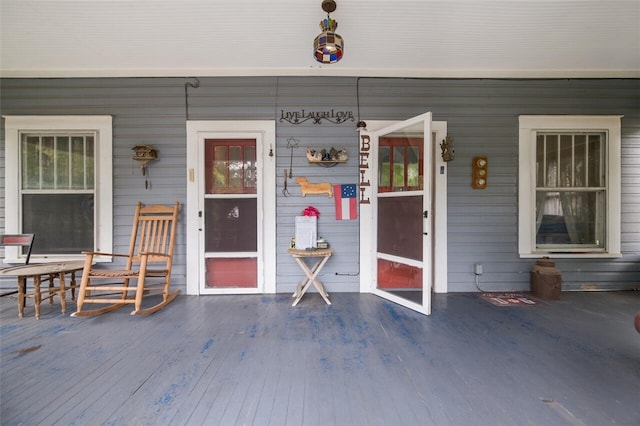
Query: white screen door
x,y
231,228
231,207
401,210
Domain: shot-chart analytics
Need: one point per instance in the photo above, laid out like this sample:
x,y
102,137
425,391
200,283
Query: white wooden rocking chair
x,y
148,262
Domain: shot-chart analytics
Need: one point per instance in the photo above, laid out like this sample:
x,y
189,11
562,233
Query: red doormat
x,y
509,299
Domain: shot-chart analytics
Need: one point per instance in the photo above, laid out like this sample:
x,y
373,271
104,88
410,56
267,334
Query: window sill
x,y
585,255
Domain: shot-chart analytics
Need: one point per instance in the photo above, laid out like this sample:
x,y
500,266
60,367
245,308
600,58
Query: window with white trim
x,y
569,186
59,184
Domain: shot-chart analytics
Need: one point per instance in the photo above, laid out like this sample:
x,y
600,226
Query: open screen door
x,y
402,200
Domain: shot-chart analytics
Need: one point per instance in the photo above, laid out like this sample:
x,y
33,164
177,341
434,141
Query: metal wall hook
x,y
186,94
292,143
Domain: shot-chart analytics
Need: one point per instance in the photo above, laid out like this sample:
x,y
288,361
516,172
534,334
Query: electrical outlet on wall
x,y
478,268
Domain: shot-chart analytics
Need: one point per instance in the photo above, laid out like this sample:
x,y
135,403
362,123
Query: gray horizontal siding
x,y
295,94
482,117
630,176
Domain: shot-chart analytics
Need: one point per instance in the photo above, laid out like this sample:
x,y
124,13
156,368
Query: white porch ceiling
x,y
403,38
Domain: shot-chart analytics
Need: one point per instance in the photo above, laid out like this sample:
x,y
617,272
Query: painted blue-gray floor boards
x,y
256,360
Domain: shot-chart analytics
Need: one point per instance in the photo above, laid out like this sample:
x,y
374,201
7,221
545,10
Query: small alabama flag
x,y
346,206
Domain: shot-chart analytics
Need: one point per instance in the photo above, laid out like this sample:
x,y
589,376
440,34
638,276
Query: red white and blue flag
x,y
346,201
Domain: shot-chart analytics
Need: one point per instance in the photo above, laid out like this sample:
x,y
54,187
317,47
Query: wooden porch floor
x,y
362,361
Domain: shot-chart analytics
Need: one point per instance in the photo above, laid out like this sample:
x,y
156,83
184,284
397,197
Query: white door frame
x,y
264,132
369,175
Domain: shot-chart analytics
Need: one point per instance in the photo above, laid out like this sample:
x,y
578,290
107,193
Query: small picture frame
x,y
306,232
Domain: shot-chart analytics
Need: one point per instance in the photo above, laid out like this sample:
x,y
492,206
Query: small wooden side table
x,y
311,274
49,271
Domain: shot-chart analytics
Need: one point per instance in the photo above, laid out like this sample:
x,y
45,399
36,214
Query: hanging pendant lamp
x,y
328,46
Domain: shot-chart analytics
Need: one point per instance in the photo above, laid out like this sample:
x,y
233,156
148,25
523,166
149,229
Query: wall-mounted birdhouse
x,y
143,154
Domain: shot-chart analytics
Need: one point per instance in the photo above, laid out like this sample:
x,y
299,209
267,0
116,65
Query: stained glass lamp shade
x,y
328,46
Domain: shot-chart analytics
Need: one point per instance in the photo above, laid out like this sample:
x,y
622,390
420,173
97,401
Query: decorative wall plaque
x,y
299,117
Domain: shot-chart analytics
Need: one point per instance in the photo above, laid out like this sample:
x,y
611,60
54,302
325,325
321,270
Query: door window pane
x,y
230,166
400,164
231,225
236,172
250,167
396,275
220,168
384,167
398,168
400,226
231,272
413,167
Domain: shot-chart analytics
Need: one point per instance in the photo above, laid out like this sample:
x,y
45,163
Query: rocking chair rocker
x,y
149,262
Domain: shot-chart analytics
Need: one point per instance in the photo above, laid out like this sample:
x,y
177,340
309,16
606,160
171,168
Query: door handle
x,y
425,215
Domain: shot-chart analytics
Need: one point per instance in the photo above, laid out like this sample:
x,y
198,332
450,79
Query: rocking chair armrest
x,y
100,253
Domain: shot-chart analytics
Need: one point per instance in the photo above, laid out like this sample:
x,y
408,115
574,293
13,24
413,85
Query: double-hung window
x,y
58,183
569,186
